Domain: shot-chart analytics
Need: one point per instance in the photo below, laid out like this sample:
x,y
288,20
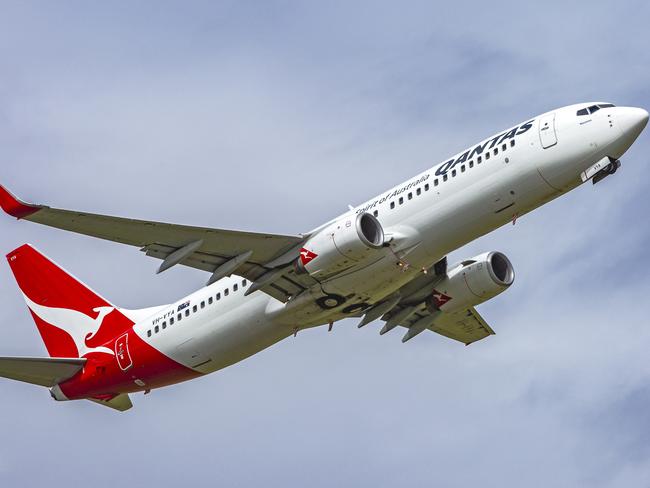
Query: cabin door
x,y
547,134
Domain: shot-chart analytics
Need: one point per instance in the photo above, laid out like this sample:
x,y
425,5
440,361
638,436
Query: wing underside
x,y
411,308
466,326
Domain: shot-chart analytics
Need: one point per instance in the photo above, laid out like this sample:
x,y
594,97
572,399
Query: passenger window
x,y
171,320
418,191
479,160
487,156
504,147
179,317
149,333
462,168
435,182
453,173
187,312
445,177
156,329
401,200
203,304
410,195
226,292
164,325
235,287
218,296
375,213
194,309
512,143
471,164
210,300
496,151
426,187
243,282
392,205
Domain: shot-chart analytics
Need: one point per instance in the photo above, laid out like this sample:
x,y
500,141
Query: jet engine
x,y
348,242
472,282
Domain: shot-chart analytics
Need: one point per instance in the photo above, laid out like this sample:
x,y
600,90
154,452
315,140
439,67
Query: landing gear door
x,y
122,353
547,134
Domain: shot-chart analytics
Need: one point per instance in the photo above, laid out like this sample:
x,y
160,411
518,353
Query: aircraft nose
x,y
632,121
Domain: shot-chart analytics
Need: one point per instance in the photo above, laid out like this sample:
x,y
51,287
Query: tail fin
x,y
72,319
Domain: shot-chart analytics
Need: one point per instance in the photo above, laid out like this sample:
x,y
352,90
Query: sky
x,y
274,116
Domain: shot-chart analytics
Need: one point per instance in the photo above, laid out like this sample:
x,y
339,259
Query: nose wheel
x,y
608,170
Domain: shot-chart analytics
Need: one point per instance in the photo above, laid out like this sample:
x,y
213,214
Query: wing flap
x,y
40,371
285,286
466,326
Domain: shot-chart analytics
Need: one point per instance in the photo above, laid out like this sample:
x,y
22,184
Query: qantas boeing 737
x,y
385,259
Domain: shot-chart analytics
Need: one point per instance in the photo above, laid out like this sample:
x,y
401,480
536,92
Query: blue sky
x,y
273,116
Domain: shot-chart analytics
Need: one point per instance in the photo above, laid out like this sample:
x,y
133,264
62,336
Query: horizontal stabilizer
x,y
120,402
40,371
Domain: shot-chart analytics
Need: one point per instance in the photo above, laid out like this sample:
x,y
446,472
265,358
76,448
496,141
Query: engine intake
x,y
473,281
350,241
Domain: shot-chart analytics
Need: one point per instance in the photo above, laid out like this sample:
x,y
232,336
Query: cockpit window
x,y
594,108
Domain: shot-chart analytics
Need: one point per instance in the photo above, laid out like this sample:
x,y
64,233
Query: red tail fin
x,y
72,319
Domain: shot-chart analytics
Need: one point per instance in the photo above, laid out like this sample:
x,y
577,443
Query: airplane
x,y
385,259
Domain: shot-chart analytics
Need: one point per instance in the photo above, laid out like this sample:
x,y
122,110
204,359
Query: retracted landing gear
x,y
600,170
610,169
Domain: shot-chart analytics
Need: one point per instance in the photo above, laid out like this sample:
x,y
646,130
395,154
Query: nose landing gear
x,y
610,169
601,170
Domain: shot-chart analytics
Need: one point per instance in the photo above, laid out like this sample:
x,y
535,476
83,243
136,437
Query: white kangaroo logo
x,y
77,325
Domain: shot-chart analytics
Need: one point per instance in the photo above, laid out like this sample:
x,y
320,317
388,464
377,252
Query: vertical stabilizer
x,y
72,319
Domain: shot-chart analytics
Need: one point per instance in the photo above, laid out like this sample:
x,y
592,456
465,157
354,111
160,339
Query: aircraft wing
x,y
413,312
466,326
252,254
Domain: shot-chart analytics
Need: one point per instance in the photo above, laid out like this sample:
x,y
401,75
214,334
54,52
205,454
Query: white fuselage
x,y
425,218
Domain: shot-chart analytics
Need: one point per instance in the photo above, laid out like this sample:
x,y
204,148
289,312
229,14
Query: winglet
x,y
15,207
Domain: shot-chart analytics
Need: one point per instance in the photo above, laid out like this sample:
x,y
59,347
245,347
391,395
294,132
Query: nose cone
x,y
631,121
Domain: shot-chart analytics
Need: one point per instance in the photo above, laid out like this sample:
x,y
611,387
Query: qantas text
x,y
486,145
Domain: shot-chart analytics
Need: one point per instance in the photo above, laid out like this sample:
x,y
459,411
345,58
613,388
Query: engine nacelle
x,y
348,242
473,281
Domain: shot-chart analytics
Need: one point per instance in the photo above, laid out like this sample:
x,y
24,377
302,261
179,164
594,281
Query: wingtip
x,y
15,207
